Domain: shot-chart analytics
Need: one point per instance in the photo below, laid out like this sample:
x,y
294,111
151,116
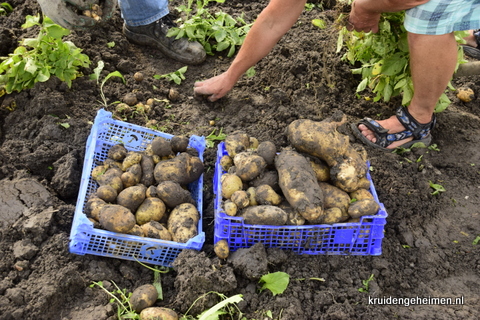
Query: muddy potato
x,y
110,163
252,196
294,218
143,297
161,147
147,166
269,177
131,159
132,197
253,143
151,192
321,169
182,222
183,169
226,162
179,143
230,208
117,152
240,198
173,194
265,215
334,215
138,76
365,207
265,194
129,179
116,218
221,249
156,230
158,313
248,165
106,193
123,108
93,207
151,209
267,150
236,142
334,197
130,99
136,231
112,177
230,183
361,194
98,172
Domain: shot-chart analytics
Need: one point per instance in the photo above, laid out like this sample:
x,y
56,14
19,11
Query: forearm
x,y
272,23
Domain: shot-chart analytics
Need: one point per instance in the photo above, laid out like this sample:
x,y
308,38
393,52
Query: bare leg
x,y
432,62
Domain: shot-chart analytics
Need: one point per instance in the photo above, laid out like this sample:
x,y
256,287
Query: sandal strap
x,y
413,127
476,34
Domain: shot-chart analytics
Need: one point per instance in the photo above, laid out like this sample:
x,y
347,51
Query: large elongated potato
x,y
116,218
183,169
299,185
265,215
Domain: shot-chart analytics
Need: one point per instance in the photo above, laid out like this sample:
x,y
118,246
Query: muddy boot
x,y
155,35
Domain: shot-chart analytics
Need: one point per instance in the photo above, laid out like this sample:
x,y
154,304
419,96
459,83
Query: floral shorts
x,y
443,16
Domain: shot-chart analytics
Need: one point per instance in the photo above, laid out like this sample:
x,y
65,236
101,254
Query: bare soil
x,y
428,250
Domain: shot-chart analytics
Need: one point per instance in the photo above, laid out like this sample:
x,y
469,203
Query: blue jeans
x,y
142,12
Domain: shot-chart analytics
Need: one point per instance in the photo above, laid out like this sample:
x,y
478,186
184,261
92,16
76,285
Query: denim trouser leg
x,y
142,12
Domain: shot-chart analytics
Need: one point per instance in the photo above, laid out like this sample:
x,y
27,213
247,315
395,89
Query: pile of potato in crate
x,y
320,178
144,193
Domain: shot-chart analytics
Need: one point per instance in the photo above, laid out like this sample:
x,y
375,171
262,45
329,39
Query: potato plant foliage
x,y
216,32
382,59
37,59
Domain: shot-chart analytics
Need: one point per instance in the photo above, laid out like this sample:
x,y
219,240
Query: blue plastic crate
x,y
85,239
353,238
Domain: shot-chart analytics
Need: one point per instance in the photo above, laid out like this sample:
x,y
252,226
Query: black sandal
x,y
419,132
472,51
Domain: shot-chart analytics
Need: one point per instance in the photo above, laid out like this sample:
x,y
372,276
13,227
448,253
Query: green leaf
x,y
276,282
319,23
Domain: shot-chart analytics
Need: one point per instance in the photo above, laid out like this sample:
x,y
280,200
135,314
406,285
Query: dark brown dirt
x,y
428,248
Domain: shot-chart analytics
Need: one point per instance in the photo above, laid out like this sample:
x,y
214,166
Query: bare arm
x,y
272,23
365,14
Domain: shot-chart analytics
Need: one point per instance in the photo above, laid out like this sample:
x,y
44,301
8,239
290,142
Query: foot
x,y
393,125
155,35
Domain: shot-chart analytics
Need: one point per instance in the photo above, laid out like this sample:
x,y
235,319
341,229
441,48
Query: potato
x,y
112,177
253,143
267,150
361,194
334,197
179,143
230,208
128,179
230,183
221,249
269,177
148,165
345,176
136,231
248,165
226,162
265,194
110,163
93,207
158,313
117,152
131,159
173,194
252,196
116,218
98,172
151,209
334,215
365,207
236,142
132,197
151,192
161,147
182,222
143,297
106,193
240,198
264,215
294,219
183,169
299,184
156,230
321,169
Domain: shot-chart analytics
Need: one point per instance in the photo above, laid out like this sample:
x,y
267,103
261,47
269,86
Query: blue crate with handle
x,y
85,239
348,238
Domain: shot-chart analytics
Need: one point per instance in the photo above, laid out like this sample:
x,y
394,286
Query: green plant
x,y
383,59
216,32
5,8
221,308
366,284
175,76
437,188
96,76
212,137
121,298
476,240
276,282
36,59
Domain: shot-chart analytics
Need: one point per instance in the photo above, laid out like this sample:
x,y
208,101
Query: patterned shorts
x,y
443,16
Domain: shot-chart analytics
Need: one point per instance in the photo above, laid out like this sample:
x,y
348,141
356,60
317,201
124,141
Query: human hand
x,y
361,19
69,13
214,88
